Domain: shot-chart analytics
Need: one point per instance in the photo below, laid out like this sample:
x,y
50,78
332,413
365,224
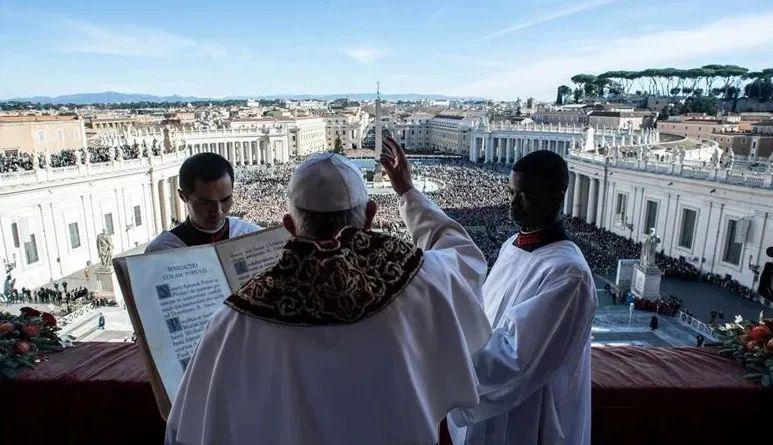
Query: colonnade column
x,y
182,209
473,147
156,198
600,204
166,215
576,203
230,148
245,153
590,216
569,194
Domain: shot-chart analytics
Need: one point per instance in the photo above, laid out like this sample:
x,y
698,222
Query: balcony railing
x,y
688,169
28,177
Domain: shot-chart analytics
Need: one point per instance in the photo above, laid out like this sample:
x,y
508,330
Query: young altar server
x,y
206,187
353,337
534,373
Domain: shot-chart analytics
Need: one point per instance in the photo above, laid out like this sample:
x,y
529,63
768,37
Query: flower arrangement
x,y
751,343
24,338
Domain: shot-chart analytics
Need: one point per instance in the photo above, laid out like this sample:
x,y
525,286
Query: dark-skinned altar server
x,y
534,373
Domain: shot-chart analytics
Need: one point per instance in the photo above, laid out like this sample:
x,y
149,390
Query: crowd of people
x,y
666,306
473,195
15,162
68,157
603,248
59,293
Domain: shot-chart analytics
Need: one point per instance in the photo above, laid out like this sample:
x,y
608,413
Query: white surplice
x,y
167,240
389,378
534,373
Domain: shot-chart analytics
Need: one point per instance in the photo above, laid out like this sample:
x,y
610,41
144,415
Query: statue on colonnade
x,y
714,161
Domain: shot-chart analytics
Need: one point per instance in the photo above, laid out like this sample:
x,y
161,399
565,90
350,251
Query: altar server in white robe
x,y
354,337
534,372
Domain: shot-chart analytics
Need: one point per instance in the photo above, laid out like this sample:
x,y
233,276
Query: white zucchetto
x,y
327,182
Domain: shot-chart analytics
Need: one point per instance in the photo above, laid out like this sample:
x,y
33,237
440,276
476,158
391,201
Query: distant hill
x,y
108,97
111,97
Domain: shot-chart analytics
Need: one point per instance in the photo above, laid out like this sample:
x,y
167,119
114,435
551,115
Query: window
x,y
732,253
31,250
688,228
109,224
137,216
75,236
622,204
651,220
41,136
15,234
60,133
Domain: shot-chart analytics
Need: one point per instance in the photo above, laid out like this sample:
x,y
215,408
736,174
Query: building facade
x,y
726,131
41,133
349,128
50,218
719,220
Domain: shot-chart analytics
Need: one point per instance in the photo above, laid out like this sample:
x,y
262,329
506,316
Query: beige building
x,y
563,117
306,134
696,128
745,136
615,119
110,122
44,133
348,127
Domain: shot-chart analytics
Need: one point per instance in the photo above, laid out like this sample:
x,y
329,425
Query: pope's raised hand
x,y
396,166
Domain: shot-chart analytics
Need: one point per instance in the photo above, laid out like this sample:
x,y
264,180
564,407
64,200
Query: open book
x,y
170,296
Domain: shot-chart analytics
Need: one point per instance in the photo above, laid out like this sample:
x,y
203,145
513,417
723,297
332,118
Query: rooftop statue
x,y
714,162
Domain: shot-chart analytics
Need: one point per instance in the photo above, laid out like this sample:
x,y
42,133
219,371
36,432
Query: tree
x,y
700,104
583,80
337,146
563,92
577,95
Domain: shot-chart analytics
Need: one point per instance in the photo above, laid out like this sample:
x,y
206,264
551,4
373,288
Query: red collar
x,y
533,241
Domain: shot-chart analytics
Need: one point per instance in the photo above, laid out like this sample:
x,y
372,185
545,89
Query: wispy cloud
x,y
129,40
437,14
561,10
366,55
678,48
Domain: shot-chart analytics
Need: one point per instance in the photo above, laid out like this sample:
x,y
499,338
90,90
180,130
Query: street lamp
x,y
755,268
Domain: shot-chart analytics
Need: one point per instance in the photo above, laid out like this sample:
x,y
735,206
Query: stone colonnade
x,y
167,204
509,149
583,198
245,152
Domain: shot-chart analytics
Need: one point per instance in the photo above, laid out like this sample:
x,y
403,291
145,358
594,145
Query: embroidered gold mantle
x,y
342,281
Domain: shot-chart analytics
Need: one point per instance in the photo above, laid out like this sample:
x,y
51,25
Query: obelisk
x,y
378,147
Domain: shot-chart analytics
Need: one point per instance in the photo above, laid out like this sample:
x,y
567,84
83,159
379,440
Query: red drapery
x,y
99,393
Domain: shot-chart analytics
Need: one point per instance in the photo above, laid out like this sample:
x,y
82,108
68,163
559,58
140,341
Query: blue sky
x,y
496,49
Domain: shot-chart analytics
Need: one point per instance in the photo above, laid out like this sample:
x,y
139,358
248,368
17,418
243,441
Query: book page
x,y
247,255
174,293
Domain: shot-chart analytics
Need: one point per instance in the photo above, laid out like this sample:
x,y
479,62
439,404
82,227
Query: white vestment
x,y
388,378
167,240
534,373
